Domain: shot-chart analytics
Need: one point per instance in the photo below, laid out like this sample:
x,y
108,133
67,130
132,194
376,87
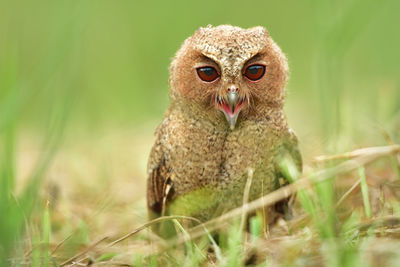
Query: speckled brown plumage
x,y
198,165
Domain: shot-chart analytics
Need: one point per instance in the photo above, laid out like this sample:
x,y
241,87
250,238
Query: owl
x,y
225,124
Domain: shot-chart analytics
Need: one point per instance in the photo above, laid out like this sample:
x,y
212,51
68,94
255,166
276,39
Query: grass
x,y
78,106
323,231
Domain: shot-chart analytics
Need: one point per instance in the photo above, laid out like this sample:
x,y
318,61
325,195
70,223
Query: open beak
x,y
231,107
232,116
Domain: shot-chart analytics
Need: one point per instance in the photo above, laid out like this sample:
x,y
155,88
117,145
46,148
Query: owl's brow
x,y
254,58
207,59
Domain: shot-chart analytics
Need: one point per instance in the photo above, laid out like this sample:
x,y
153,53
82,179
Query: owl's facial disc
x,y
231,105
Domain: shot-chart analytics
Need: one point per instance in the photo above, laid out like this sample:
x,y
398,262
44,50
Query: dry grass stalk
x,y
361,152
83,252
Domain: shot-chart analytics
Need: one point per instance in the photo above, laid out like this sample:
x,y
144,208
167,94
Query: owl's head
x,y
231,70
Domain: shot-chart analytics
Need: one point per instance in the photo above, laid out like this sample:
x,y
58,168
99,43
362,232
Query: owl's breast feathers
x,y
197,168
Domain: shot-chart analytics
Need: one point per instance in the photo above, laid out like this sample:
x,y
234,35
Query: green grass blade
x,y
46,231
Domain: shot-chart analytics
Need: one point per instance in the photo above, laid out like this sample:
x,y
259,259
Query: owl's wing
x,y
289,151
159,183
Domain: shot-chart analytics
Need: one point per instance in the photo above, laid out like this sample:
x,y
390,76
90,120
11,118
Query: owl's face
x,y
231,70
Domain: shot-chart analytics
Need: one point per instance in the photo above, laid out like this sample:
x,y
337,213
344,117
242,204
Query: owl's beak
x,y
233,98
232,120
230,105
232,116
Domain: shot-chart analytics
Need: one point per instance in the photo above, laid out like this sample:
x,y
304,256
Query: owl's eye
x,y
207,74
254,72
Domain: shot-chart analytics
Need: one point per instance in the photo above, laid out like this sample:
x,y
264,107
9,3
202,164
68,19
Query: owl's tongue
x,y
227,109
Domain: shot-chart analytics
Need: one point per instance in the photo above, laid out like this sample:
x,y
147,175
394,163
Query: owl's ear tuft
x,y
202,30
260,30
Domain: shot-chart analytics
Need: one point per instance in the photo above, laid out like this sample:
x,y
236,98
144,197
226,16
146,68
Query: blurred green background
x,y
112,58
89,80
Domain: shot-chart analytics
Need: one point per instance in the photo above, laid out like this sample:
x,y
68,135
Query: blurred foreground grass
x,y
83,86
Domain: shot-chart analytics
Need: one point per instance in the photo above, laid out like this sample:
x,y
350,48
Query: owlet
x,y
225,122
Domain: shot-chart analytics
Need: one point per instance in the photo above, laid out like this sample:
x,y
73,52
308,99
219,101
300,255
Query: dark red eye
x,y
207,74
254,72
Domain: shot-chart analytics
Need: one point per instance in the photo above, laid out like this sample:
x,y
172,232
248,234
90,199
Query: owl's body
x,y
217,133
